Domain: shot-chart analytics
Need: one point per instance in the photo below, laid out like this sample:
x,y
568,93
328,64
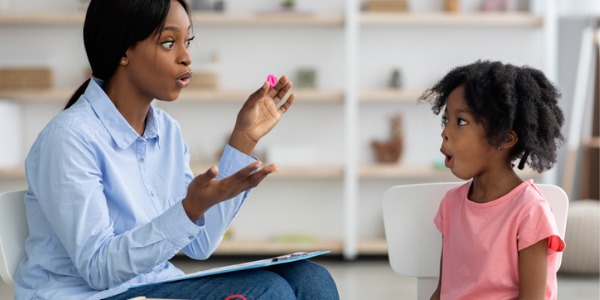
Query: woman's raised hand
x,y
259,114
206,191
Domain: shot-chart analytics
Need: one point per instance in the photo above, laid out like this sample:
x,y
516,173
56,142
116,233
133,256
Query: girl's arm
x,y
533,268
437,293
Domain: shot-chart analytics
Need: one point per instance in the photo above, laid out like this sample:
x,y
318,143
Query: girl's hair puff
x,y
503,97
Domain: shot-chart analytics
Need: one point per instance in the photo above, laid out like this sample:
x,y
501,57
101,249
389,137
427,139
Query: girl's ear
x,y
511,140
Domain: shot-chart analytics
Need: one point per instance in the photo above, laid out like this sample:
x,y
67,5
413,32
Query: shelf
x,y
389,95
38,95
267,18
302,95
395,171
265,247
445,19
294,172
302,19
45,18
15,173
187,95
592,143
198,18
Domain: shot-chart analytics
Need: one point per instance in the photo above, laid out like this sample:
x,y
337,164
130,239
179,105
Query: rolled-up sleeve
x,y
218,218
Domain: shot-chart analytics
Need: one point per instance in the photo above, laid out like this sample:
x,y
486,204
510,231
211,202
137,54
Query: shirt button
x,y
141,160
190,237
152,194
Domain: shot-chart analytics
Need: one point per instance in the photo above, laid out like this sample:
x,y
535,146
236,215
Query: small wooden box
x,y
20,78
387,5
205,80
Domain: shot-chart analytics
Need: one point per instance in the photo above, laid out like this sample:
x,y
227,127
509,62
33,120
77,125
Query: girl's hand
x,y
205,191
259,114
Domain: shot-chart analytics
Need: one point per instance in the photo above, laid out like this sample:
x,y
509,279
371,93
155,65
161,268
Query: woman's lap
x,y
297,280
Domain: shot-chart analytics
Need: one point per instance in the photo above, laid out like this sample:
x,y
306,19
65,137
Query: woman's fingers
x,y
280,89
286,105
261,92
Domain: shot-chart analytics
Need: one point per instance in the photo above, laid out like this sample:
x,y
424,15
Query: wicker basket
x,y
582,252
20,78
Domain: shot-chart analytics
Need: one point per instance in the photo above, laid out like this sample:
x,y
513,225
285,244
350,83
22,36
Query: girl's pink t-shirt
x,y
481,242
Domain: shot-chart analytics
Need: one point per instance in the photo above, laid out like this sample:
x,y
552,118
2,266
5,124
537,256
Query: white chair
x,y
414,243
13,232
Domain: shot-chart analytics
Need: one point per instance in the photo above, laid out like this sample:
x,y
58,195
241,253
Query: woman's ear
x,y
123,61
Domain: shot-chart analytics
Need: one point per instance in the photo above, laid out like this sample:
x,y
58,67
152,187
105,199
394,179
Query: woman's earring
x,y
123,61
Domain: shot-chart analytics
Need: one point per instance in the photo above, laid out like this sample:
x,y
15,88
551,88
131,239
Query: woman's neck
x,y
133,106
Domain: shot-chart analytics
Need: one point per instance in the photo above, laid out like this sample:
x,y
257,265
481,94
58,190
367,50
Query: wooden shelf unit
x,y
350,243
450,19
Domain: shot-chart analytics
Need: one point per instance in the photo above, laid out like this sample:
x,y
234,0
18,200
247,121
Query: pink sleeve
x,y
438,220
537,223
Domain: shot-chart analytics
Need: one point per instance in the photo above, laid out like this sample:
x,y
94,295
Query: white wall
x,y
423,54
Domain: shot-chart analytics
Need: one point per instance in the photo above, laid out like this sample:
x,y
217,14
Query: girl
x,y
111,197
499,235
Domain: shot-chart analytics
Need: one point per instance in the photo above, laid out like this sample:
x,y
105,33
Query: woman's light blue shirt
x,y
104,203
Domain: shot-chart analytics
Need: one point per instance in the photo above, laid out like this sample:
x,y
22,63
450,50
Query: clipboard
x,y
282,259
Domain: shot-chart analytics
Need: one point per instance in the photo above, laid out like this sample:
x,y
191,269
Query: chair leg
x,y
426,287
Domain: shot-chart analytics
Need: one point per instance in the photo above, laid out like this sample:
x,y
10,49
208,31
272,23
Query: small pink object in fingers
x,y
272,80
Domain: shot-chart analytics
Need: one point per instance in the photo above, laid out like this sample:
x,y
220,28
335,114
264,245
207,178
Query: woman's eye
x,y
167,44
188,42
462,122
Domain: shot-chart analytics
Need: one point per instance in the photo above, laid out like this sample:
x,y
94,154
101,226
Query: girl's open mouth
x,y
448,159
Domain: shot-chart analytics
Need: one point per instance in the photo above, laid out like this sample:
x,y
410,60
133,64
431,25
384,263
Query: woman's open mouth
x,y
184,80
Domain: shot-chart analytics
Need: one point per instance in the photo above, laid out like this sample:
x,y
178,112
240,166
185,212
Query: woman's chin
x,y
169,98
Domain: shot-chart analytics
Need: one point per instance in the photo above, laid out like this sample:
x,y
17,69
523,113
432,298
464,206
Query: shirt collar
x,y
116,125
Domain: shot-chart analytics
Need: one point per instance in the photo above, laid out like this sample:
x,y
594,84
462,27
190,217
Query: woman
x,y
111,197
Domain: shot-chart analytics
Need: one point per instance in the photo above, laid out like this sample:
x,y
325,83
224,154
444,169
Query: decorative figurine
x,y
390,150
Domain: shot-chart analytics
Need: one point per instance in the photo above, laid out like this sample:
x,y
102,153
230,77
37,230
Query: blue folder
x,y
283,259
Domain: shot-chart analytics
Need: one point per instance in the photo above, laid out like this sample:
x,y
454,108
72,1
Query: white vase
x,y
11,143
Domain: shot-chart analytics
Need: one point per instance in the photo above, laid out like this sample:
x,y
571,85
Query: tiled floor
x,y
372,278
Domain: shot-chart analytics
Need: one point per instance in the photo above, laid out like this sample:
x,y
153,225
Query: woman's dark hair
x,y
505,97
112,26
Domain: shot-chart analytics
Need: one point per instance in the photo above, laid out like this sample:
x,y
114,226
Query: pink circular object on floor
x,y
272,80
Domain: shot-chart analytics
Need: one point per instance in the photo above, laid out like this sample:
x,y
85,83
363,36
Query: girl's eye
x,y
462,122
168,44
444,121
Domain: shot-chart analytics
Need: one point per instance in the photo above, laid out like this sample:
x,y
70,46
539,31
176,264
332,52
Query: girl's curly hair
x,y
505,97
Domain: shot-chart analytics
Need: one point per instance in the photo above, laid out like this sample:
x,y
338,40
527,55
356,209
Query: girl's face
x,y
159,66
468,153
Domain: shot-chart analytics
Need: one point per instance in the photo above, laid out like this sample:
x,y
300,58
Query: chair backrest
x,y
13,232
414,243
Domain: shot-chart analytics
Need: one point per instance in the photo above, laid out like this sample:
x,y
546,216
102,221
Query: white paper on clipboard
x,y
283,259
